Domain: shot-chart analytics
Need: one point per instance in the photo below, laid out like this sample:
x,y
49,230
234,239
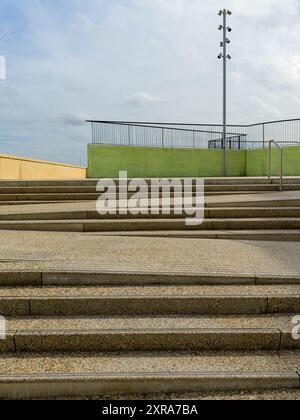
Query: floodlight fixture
x,y
226,29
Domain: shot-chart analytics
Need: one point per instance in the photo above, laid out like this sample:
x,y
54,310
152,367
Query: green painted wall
x,y
107,161
258,162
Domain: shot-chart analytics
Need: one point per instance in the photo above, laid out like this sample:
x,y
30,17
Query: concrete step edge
x,y
149,340
210,213
78,188
101,277
149,305
145,225
253,235
93,384
142,220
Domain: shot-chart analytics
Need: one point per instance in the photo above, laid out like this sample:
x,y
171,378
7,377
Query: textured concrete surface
x,y
151,291
171,333
93,181
139,306
238,188
8,277
147,300
240,199
146,225
165,340
272,235
153,333
183,323
110,225
209,213
39,250
231,362
91,384
78,259
287,340
264,198
95,306
279,395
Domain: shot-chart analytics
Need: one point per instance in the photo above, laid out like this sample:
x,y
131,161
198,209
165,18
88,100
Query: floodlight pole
x,y
225,57
224,95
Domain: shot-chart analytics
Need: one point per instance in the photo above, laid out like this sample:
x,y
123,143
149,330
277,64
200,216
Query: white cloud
x,y
142,99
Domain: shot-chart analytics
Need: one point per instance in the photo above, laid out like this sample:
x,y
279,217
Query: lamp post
x,y
224,13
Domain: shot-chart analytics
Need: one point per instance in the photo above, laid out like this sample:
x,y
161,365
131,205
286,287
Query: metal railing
x,y
235,143
271,142
158,134
149,134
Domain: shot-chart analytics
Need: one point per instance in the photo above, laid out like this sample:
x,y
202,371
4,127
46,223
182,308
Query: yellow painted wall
x,y
13,167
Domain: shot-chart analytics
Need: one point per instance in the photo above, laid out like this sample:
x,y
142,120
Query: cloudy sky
x,y
68,60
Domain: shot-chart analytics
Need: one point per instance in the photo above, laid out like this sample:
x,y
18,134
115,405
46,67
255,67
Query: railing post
x,y
93,133
129,137
281,162
270,159
162,137
281,169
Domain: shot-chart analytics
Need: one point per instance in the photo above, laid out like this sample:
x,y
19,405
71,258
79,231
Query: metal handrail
x,y
191,124
281,161
163,126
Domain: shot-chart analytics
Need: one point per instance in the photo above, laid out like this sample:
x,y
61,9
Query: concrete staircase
x,y
76,334
227,214
89,333
21,192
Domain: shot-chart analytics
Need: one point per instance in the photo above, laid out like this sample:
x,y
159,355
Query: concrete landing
x,y
214,201
67,251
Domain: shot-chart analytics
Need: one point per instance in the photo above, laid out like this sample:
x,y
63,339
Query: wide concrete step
x,y
31,203
93,182
211,213
159,300
252,212
49,197
92,189
224,201
68,197
256,202
87,375
268,200
151,225
235,235
197,333
78,278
